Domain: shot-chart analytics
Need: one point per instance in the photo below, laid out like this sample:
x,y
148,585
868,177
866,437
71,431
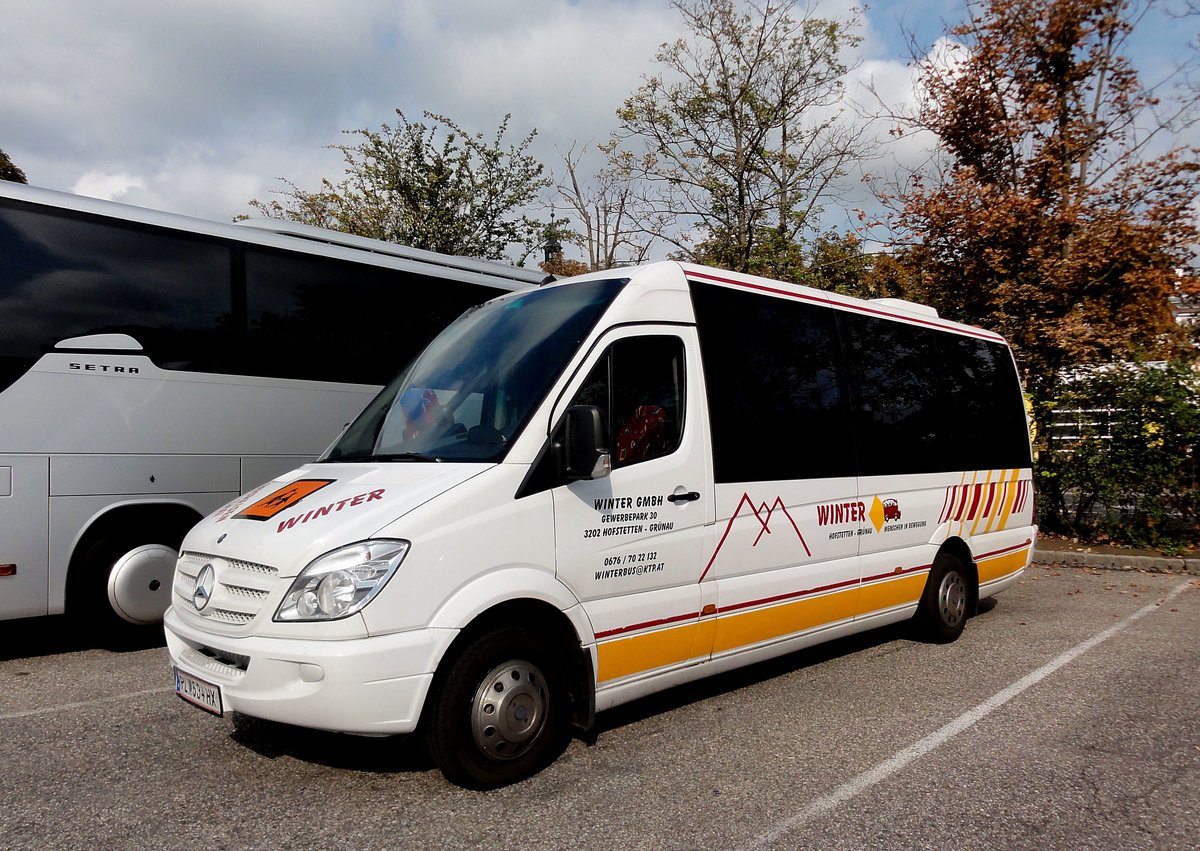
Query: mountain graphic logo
x,y
763,514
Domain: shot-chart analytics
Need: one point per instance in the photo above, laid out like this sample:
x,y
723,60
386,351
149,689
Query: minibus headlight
x,y
341,582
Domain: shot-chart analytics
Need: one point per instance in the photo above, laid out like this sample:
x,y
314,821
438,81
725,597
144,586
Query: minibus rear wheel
x,y
499,713
942,613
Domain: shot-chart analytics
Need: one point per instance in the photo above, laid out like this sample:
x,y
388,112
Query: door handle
x,y
690,496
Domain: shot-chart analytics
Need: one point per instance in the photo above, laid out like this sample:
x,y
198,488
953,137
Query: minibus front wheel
x,y
500,712
946,602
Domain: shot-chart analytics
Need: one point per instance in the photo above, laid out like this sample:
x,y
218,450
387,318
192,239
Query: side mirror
x,y
583,452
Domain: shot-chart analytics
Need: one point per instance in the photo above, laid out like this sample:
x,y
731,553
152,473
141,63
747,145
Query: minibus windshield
x,y
469,394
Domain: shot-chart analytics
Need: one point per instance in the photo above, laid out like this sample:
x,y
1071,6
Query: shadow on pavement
x,y
54,634
377,755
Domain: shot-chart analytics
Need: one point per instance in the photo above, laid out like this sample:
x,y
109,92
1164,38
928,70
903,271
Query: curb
x,y
1105,561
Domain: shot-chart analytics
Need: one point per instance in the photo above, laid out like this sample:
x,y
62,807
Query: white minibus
x,y
154,366
580,495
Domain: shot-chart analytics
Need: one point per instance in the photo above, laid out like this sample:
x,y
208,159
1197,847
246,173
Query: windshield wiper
x,y
406,456
386,457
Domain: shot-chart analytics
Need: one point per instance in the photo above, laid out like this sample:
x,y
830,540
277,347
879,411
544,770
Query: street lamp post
x,y
553,246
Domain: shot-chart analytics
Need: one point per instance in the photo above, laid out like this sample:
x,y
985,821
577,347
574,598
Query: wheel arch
x,y
115,518
556,626
961,550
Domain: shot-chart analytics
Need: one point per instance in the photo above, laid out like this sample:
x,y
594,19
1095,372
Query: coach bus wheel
x,y
127,577
942,613
499,713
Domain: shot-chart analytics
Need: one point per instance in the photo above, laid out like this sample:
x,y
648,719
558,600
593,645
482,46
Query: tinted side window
x,y
777,394
65,275
902,412
208,305
929,401
638,385
982,381
329,320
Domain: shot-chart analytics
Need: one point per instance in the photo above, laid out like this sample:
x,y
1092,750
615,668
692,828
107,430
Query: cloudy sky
x,y
197,107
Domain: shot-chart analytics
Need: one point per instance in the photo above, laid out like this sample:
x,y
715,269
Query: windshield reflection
x,y
469,394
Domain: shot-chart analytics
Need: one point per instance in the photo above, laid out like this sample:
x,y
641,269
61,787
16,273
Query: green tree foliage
x,y
741,132
1123,456
838,262
1047,222
9,171
553,262
461,194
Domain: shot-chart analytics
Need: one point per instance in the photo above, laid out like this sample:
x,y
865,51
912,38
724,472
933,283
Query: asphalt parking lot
x,y
1067,716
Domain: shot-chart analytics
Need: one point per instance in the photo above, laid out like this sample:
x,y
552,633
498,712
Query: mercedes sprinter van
x,y
584,493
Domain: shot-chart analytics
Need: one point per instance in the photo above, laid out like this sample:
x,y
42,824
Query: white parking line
x,y
887,768
63,707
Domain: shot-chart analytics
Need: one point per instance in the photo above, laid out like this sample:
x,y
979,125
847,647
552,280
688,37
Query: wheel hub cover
x,y
952,599
509,709
139,584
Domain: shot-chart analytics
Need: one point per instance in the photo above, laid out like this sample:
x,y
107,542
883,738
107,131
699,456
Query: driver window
x,y
638,386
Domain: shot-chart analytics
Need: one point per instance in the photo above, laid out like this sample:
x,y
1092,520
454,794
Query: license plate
x,y
198,692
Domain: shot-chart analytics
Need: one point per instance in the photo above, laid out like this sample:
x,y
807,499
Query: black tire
x,y
945,604
499,713
106,612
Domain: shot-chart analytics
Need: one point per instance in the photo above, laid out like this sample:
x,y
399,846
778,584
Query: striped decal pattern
x,y
677,639
986,504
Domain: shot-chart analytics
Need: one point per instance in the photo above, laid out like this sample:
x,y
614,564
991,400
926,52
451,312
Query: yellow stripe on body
x,y
741,629
983,500
622,657
966,508
1000,566
1009,499
891,593
994,514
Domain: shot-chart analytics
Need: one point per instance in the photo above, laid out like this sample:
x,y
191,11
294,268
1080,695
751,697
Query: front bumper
x,y
368,686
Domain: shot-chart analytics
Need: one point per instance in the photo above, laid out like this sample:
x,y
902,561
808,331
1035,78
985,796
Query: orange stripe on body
x,y
987,486
1001,566
962,518
746,628
622,657
894,592
1008,500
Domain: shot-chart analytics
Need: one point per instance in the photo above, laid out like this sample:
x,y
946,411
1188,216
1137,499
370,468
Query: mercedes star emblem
x,y
206,582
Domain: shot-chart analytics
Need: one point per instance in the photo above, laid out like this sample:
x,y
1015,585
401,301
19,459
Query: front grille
x,y
226,616
247,566
243,591
239,593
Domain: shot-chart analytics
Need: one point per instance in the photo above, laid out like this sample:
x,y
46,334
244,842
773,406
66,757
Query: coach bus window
x,y
69,274
327,320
